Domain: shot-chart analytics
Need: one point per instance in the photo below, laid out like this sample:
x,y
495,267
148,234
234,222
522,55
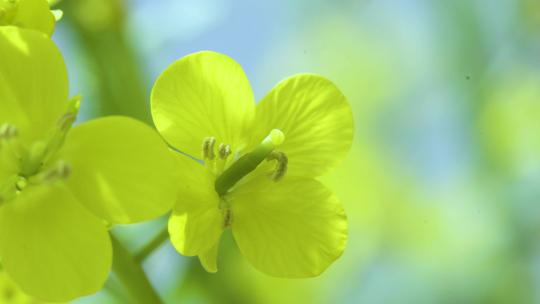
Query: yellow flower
x,y
61,187
260,164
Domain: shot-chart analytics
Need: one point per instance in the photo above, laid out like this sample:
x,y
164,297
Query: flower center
x,y
229,172
241,167
35,164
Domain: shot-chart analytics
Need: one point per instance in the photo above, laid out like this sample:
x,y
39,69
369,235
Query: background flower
x,y
61,188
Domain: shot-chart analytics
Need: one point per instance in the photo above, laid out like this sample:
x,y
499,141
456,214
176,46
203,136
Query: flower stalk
x,y
153,245
130,273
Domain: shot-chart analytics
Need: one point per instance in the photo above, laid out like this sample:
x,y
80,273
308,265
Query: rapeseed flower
x,y
260,164
61,187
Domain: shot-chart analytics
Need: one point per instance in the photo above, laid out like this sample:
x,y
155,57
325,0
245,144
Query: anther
x,y
8,134
61,170
66,121
250,161
208,148
227,217
281,166
224,151
8,131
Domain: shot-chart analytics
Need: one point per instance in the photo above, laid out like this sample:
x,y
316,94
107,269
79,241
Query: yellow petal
x,y
35,15
197,222
203,94
51,246
316,119
121,169
33,82
208,258
294,228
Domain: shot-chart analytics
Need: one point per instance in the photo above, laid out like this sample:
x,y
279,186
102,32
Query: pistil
x,y
248,162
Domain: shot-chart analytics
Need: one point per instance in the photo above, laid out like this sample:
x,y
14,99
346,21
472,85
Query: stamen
x,y
60,171
66,121
8,131
8,136
224,151
63,125
208,148
33,159
227,217
281,166
248,162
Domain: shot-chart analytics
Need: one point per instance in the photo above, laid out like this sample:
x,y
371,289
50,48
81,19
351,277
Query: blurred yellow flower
x,y
510,122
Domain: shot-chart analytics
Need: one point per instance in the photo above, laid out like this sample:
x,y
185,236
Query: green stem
x,y
155,243
132,276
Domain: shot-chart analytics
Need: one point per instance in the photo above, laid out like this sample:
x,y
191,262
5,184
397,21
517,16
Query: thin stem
x,y
154,244
130,273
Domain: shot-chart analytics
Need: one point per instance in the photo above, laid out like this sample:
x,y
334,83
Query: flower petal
x,y
51,246
196,223
35,15
208,258
316,119
203,94
294,228
121,169
33,82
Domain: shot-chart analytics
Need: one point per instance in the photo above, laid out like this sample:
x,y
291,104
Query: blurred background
x,y
442,186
